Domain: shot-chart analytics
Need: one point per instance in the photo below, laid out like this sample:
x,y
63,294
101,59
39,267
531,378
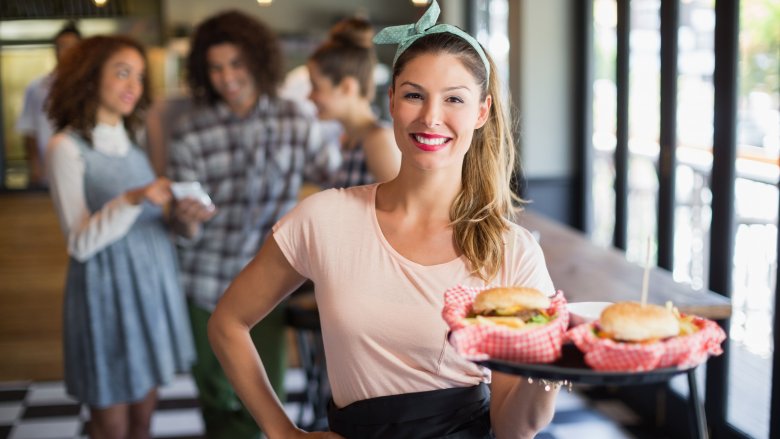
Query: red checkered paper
x,y
480,342
682,352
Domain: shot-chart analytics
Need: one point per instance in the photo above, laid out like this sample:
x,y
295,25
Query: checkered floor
x,y
42,410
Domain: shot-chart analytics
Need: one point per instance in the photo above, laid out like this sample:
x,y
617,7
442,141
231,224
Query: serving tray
x,y
571,366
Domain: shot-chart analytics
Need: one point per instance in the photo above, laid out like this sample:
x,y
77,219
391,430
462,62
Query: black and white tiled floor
x,y
42,410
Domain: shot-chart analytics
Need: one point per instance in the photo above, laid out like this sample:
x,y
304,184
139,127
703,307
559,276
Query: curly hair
x,y
257,42
349,52
486,202
74,95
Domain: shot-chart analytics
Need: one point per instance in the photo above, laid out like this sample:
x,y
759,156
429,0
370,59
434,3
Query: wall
x,y
543,93
301,23
33,264
294,16
545,101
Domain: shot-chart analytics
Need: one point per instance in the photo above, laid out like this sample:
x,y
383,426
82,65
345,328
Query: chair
x,y
304,319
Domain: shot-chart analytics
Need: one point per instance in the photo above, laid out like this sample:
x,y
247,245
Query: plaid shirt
x,y
354,170
252,168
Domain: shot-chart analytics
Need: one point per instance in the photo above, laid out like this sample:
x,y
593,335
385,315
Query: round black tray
x,y
571,366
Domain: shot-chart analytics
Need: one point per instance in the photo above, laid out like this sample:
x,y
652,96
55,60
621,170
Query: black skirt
x,y
459,413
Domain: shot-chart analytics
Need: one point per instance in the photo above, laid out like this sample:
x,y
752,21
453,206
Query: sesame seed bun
x,y
634,322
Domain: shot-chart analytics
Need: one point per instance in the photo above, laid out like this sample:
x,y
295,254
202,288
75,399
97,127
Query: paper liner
x,y
682,352
480,342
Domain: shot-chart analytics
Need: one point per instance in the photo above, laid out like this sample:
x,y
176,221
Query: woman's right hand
x,y
157,192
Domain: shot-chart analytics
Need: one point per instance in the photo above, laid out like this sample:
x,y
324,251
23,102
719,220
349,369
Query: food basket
x,y
477,342
682,352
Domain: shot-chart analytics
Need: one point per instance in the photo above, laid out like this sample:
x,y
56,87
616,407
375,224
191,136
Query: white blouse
x,y
87,232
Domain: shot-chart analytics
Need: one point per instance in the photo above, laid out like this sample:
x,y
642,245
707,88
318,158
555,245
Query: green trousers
x,y
223,413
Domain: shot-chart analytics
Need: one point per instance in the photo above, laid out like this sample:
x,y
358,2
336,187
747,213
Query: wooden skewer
x,y
646,275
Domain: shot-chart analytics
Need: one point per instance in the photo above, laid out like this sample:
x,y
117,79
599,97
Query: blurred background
x,y
622,118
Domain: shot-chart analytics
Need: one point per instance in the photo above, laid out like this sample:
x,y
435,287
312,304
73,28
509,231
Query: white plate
x,y
585,312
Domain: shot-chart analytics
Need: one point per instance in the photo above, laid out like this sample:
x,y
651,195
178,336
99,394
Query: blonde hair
x,y
482,209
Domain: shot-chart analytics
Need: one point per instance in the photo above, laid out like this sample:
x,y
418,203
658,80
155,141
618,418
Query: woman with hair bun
x,y
341,71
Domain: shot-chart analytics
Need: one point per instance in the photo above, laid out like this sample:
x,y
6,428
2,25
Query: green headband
x,y
407,34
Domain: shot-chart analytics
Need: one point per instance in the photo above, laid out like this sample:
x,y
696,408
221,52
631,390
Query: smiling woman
x,y
121,85
438,114
391,250
466,109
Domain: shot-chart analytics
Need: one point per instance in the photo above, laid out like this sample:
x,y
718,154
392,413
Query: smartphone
x,y
190,189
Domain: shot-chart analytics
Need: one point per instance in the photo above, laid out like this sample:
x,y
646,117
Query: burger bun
x,y
509,322
634,322
501,298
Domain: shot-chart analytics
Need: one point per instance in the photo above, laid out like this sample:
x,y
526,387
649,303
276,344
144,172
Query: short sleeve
x,y
525,264
295,235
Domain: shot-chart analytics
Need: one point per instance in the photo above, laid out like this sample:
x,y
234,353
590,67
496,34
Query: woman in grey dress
x,y
126,330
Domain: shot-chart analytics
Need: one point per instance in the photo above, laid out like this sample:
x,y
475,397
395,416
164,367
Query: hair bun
x,y
353,31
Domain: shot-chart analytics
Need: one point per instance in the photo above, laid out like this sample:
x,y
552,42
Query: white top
x,y
33,121
380,313
87,232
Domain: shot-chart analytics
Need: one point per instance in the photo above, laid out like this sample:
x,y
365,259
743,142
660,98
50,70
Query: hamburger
x,y
514,307
633,337
636,323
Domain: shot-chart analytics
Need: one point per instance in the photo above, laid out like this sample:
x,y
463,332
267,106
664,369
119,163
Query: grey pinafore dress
x,y
126,328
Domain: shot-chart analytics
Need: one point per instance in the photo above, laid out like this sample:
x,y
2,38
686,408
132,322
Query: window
x,y
754,265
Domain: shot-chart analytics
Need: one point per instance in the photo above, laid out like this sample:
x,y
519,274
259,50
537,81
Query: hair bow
x,y
406,34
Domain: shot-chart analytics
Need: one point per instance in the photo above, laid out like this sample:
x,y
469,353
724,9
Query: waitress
x,y
382,255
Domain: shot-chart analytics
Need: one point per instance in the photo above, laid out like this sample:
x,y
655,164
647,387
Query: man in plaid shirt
x,y
251,151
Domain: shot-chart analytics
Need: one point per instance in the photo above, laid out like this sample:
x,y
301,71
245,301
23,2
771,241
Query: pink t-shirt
x,y
380,312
